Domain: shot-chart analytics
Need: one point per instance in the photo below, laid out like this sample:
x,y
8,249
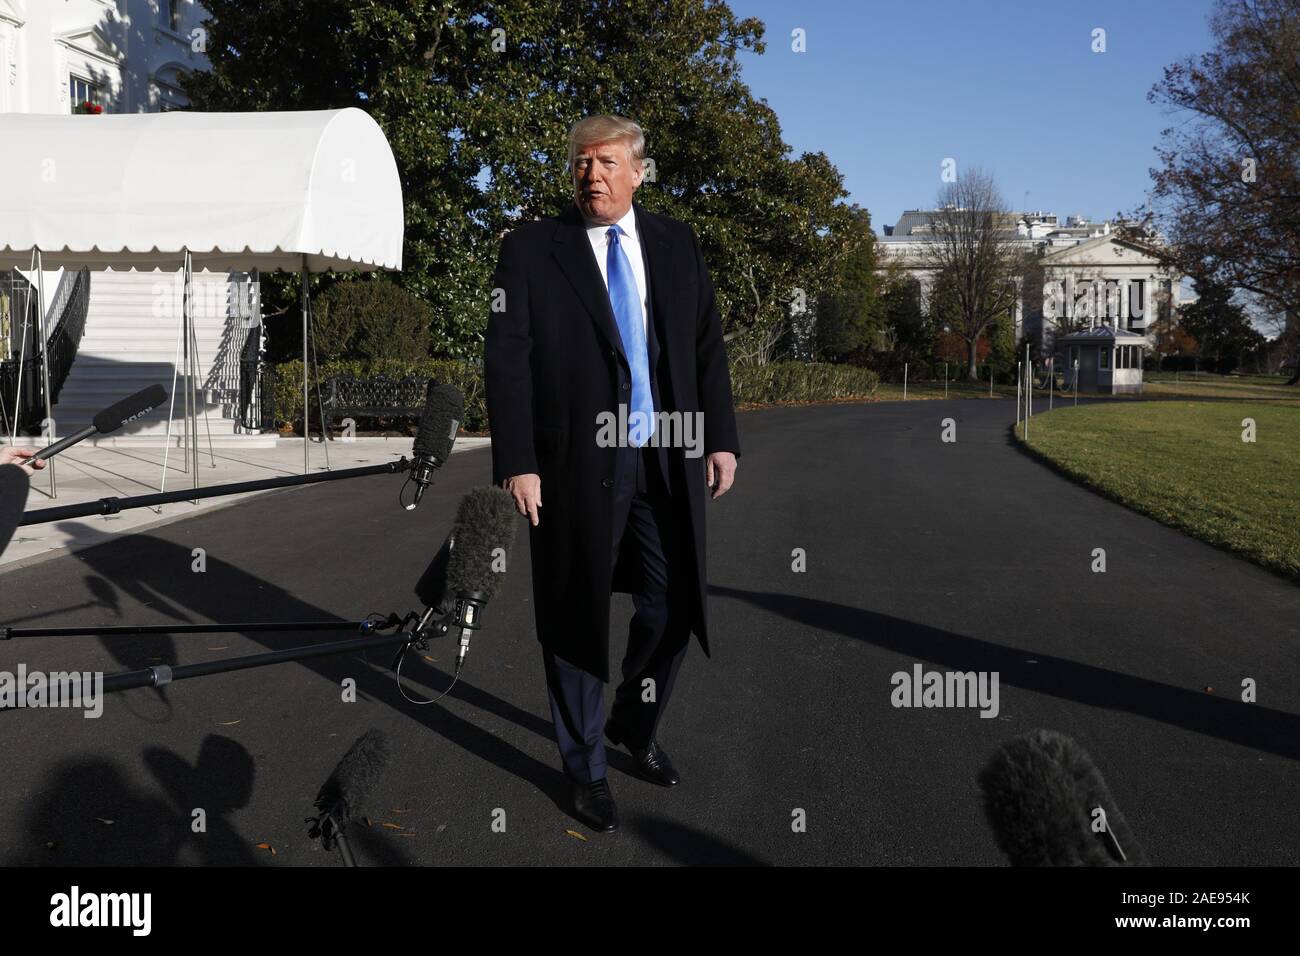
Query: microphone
x,y
341,797
468,568
13,499
112,418
444,407
1049,806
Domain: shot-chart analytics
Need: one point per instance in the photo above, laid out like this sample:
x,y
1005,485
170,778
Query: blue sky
x,y
888,90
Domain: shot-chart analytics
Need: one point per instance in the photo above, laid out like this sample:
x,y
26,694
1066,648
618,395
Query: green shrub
x,y
371,319
801,382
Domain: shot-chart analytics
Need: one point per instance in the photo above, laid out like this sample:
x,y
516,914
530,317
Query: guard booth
x,y
1106,360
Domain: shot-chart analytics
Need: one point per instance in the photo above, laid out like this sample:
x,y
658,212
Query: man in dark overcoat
x,y
609,399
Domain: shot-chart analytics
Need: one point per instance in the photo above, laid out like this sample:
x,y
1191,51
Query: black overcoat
x,y
553,362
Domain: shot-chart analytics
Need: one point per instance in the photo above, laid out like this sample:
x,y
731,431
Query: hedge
x,y
778,382
769,384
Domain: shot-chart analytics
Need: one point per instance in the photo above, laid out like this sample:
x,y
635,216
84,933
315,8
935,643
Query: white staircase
x,y
130,341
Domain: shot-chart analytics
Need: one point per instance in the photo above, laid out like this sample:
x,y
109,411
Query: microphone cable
x,y
401,494
408,698
418,640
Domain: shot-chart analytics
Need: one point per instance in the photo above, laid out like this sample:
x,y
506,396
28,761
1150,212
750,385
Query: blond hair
x,y
605,129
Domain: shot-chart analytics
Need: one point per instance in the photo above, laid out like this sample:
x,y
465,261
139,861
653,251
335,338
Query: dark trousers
x,y
658,635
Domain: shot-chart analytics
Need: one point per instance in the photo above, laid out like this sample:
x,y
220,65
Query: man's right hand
x,y
22,457
527,492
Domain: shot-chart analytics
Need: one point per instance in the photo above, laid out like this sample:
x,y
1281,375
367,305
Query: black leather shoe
x,y
593,804
651,761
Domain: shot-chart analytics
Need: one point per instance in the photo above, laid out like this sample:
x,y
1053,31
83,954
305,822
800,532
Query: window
x,y
82,91
174,14
1104,353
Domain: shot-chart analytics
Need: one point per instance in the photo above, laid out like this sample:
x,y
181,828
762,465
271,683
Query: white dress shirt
x,y
631,243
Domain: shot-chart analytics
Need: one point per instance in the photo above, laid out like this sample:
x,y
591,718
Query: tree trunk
x,y
972,371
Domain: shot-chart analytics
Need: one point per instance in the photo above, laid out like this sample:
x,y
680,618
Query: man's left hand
x,y
720,472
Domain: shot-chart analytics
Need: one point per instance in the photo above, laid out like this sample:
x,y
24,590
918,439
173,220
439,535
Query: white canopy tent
x,y
301,191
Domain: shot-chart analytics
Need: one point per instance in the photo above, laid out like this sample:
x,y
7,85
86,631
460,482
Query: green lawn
x,y
924,391
1185,464
1271,388
1267,387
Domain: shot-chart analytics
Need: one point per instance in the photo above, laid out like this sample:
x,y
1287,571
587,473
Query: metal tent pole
x,y
192,370
306,405
185,379
22,362
171,410
198,366
8,336
50,427
320,403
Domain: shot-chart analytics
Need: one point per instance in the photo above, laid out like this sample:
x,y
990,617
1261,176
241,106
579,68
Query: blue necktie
x,y
623,298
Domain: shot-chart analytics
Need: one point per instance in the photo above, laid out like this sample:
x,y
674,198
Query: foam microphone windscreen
x,y
485,522
13,499
129,409
1041,796
432,586
444,407
345,792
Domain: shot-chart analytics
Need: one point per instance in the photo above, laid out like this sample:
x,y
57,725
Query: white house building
x,y
1083,275
120,56
124,55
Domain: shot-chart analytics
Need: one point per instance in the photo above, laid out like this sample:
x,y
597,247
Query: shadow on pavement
x,y
1250,725
89,814
689,845
227,593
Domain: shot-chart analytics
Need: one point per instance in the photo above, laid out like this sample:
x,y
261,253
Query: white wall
x,y
127,47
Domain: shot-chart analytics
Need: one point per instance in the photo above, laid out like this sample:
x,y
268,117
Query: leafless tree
x,y
1229,188
977,259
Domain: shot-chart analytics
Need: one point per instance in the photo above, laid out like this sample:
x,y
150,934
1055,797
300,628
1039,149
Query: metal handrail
x,y
24,379
61,349
59,303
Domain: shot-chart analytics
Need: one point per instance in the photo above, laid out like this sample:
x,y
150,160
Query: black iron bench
x,y
379,397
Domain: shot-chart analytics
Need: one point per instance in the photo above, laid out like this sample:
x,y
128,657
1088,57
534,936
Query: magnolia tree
x,y
476,98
